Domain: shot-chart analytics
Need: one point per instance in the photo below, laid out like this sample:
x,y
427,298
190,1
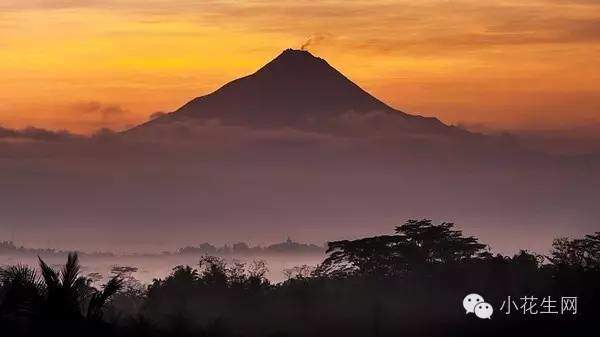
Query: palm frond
x,y
98,299
81,288
70,271
49,275
19,273
21,291
112,287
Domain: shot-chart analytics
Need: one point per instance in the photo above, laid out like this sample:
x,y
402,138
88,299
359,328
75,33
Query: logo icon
x,y
475,304
484,310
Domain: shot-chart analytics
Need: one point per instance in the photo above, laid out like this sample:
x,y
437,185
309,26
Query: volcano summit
x,y
297,90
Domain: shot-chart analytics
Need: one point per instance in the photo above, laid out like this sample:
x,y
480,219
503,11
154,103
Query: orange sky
x,y
504,64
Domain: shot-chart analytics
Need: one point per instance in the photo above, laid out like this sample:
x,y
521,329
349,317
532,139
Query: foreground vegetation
x,y
410,283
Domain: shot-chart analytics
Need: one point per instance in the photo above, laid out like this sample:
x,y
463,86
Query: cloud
x,y
104,114
36,134
157,114
94,107
212,136
11,5
428,27
214,181
431,27
569,140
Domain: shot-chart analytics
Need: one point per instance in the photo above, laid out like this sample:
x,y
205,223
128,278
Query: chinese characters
x,y
531,305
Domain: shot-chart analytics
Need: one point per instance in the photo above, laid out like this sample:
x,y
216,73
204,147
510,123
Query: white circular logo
x,y
470,301
484,310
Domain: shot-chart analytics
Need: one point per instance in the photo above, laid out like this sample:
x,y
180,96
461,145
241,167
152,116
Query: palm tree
x,y
67,292
99,298
20,292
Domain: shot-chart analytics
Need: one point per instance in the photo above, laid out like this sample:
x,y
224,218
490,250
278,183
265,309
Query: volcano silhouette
x,y
293,90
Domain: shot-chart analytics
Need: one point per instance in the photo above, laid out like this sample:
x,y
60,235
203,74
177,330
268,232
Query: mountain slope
x,y
296,89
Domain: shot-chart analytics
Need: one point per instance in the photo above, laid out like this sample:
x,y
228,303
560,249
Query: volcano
x,y
296,89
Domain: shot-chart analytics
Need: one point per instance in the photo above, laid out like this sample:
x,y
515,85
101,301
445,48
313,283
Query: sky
x,y
527,66
82,65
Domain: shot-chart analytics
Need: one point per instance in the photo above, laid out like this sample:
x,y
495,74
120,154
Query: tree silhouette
x,y
21,293
67,292
577,254
418,243
439,243
406,284
98,299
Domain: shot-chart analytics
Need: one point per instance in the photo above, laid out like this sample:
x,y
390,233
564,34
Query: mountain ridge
x,y
295,89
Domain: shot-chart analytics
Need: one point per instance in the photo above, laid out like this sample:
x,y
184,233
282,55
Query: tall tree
x,y
68,293
417,243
